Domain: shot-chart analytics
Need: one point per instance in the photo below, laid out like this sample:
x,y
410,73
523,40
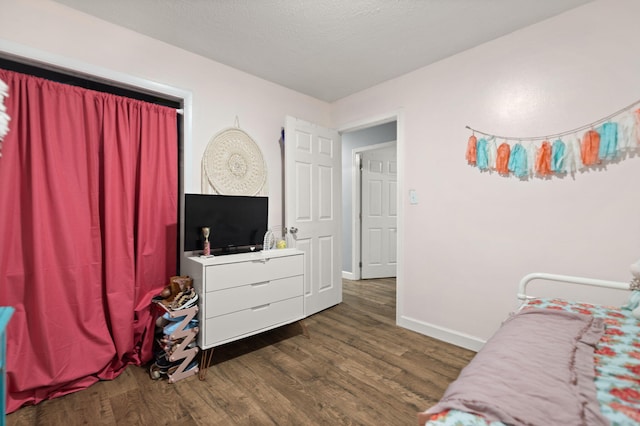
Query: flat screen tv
x,y
237,223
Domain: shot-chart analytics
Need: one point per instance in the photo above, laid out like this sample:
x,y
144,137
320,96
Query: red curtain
x,y
88,226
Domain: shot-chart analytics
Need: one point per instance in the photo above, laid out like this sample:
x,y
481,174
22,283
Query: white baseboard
x,y
348,275
446,335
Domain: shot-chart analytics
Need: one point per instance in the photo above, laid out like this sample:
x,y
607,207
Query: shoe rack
x,y
182,351
180,354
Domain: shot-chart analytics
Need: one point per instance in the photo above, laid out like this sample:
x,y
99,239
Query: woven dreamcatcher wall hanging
x,y
232,164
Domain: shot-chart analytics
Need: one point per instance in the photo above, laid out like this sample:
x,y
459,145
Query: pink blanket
x,y
536,370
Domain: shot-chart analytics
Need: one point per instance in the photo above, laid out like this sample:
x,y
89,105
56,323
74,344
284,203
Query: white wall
x,y
473,235
220,93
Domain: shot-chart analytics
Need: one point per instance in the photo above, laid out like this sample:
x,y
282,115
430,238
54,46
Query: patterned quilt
x,y
617,365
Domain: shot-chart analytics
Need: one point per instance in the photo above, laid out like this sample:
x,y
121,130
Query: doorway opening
x,y
356,143
382,128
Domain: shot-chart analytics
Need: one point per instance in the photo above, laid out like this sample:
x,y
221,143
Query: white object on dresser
x,y
248,293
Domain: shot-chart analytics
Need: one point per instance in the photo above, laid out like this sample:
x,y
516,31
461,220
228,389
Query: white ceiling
x,y
327,49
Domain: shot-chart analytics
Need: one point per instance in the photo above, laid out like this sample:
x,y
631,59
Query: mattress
x,y
616,360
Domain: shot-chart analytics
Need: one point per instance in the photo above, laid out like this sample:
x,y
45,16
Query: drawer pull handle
x,y
260,284
261,260
261,307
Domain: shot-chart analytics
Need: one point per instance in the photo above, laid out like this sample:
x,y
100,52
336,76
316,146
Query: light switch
x,y
413,196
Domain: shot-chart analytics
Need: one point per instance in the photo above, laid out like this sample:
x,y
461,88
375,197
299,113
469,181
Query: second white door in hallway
x,y
379,230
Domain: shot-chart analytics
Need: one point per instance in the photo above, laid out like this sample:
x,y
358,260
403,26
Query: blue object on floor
x,y
5,315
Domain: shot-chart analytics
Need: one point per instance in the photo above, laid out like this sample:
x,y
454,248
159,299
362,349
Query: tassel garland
x,y
617,137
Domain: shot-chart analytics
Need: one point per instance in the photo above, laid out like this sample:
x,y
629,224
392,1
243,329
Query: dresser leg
x,y
205,358
305,330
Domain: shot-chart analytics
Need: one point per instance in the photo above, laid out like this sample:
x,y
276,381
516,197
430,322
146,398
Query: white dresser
x,y
245,294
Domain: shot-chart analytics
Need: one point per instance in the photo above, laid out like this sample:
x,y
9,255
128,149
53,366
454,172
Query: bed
x,y
553,361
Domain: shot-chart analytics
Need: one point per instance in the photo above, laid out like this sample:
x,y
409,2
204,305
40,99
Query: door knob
x,y
293,230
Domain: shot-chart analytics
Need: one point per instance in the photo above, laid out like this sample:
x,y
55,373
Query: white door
x,y
313,208
379,232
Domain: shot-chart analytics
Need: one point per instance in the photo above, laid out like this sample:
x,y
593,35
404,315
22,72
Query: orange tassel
x,y
502,161
471,150
543,159
590,147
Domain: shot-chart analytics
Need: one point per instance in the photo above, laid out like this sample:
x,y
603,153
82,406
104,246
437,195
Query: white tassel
x,y
4,117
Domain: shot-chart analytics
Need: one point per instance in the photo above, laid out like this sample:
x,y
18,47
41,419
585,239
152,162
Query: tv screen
x,y
237,223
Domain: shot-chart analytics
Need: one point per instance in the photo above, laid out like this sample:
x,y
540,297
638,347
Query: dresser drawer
x,y
235,325
233,299
218,277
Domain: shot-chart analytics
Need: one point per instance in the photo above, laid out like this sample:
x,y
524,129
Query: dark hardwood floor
x,y
357,368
